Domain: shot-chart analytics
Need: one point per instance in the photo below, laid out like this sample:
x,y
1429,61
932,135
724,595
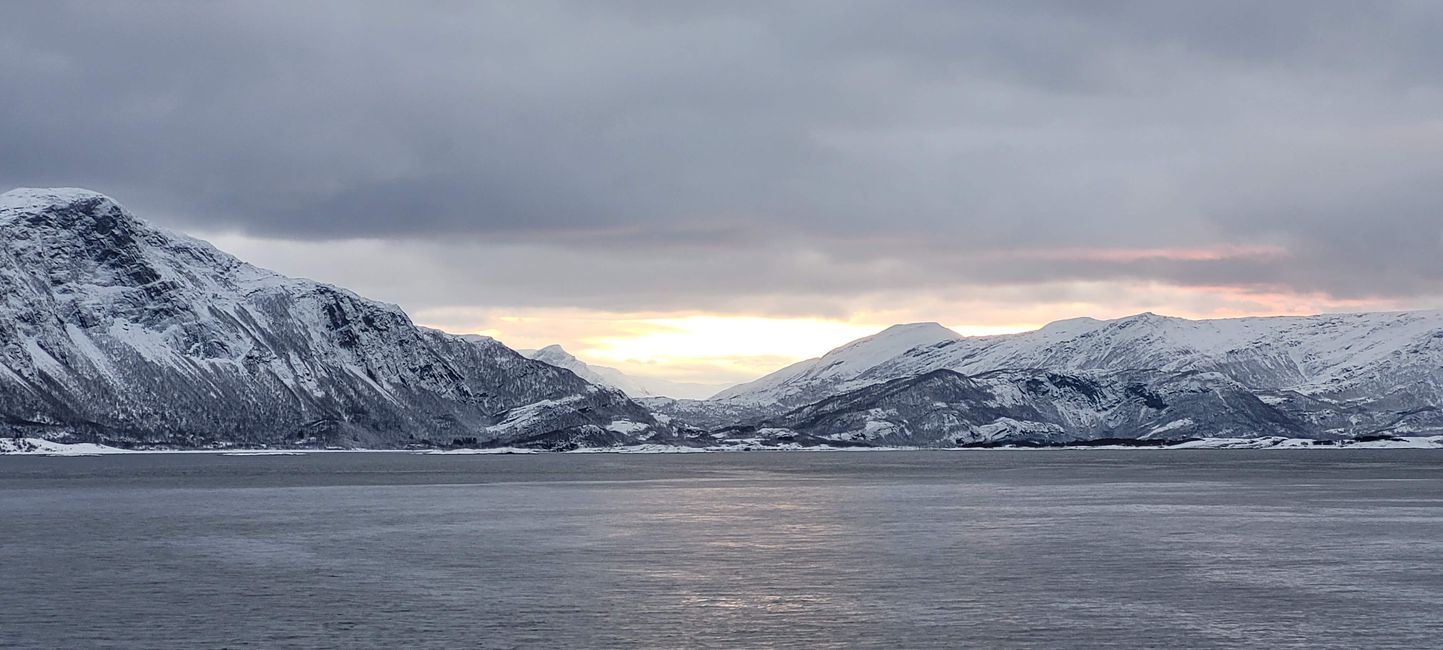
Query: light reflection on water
x,y
904,550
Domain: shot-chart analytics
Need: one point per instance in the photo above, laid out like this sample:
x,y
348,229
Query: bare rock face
x,y
115,331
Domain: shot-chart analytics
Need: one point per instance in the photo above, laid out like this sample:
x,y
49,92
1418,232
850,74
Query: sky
x,y
709,191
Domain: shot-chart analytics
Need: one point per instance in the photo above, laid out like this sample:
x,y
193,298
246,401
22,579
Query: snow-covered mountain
x,y
807,381
943,408
1348,374
599,375
115,331
631,385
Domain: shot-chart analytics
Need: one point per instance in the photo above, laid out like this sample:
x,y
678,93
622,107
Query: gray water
x,y
897,549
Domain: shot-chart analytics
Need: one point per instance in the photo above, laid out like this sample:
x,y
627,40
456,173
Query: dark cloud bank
x,y
814,147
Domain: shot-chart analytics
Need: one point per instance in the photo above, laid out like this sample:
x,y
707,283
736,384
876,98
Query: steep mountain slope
x,y
115,331
943,408
1349,373
812,379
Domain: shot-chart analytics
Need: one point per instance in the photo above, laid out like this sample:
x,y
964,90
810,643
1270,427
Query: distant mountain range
x,y
943,408
113,331
1325,377
634,386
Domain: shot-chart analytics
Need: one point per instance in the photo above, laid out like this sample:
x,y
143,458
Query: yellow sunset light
x,y
662,340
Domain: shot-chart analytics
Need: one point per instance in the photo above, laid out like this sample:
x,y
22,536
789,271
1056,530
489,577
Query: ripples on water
x,y
898,550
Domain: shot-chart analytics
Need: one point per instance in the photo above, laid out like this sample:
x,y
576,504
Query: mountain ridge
x,y
118,332
944,408
1347,374
115,331
1144,340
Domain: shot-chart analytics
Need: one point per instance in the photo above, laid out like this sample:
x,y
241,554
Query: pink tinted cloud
x,y
1177,254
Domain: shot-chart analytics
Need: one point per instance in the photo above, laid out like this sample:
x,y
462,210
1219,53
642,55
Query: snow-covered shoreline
x,y
42,447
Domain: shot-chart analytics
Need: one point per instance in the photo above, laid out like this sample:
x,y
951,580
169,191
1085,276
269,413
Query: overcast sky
x,y
601,172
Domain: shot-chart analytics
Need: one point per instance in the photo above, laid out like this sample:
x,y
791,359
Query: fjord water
x,y
888,549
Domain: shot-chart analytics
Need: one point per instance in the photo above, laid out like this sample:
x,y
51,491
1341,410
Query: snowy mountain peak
x,y
554,350
34,199
557,356
894,339
920,328
1071,324
844,363
1351,373
111,329
76,212
1149,318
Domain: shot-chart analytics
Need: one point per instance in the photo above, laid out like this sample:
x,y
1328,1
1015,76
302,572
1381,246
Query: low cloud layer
x,y
797,158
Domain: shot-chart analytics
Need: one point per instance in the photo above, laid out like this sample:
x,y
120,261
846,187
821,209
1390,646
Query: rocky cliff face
x,y
115,331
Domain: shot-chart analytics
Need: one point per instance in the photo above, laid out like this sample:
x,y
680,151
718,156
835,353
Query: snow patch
x,y
42,447
1171,426
626,427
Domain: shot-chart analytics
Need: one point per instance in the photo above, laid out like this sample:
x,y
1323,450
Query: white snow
x,y
1175,424
479,452
626,427
1309,354
1004,427
27,199
92,353
639,449
844,363
218,304
42,447
263,452
1413,442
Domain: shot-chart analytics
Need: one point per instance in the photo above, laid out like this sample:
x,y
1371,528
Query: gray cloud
x,y
890,145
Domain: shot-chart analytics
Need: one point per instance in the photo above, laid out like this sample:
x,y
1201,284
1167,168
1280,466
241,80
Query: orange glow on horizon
x,y
750,331
725,337
1186,254
732,348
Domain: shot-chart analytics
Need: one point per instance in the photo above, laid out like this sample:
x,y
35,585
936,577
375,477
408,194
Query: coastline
x,y
42,447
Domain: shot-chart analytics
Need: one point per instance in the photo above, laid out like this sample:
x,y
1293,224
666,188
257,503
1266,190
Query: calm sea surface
x,y
899,550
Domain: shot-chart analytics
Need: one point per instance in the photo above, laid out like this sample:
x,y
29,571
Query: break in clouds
x,y
800,158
